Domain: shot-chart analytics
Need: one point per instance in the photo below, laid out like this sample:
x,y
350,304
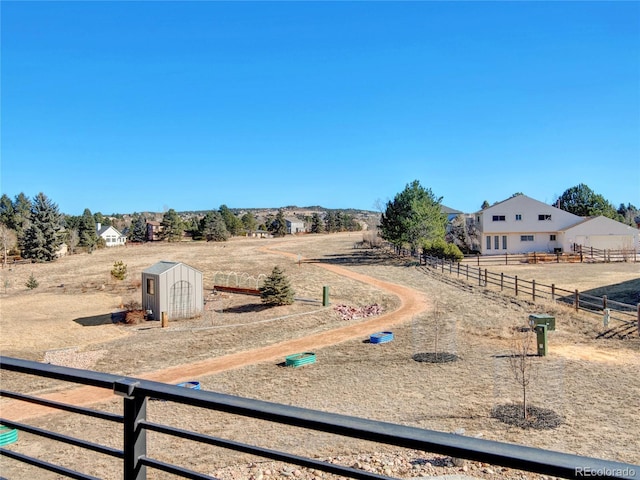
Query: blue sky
x,y
144,106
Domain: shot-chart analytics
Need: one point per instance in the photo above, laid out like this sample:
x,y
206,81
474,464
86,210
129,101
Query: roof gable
x,y
522,202
164,266
604,226
106,229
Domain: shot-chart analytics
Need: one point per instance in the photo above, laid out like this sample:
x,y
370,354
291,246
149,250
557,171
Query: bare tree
x,y
8,240
73,240
521,362
437,319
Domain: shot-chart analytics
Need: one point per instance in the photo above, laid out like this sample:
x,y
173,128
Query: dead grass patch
x,y
592,384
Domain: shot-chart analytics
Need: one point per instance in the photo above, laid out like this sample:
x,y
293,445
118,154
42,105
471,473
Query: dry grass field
x,y
593,384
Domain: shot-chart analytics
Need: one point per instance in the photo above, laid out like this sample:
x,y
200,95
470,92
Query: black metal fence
x,y
135,461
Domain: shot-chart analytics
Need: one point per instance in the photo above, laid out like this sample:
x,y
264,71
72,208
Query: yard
x,y
592,383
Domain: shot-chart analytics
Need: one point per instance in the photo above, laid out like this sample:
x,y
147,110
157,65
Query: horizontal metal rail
x,y
137,391
46,465
264,452
76,442
110,417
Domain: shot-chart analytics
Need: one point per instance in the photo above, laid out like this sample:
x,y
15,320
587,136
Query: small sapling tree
x,y
521,363
119,270
32,282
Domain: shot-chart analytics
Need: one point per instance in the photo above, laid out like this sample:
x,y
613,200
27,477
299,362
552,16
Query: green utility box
x,y
542,319
541,339
325,296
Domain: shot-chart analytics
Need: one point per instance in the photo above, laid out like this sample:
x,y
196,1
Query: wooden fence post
x,y
553,292
506,259
486,283
604,302
533,290
501,281
516,284
479,276
576,300
467,272
458,269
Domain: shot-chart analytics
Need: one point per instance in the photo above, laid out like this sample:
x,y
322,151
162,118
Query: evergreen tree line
x,y
35,228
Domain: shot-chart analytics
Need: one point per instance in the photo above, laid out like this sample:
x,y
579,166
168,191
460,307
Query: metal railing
x,y
135,461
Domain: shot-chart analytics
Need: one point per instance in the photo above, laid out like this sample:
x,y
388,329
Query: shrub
x,y
453,252
441,249
32,282
119,270
276,289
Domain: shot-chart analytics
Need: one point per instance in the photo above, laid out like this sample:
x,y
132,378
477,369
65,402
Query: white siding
x,y
602,233
523,217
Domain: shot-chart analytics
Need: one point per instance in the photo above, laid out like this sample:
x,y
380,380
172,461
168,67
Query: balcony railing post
x,y
135,437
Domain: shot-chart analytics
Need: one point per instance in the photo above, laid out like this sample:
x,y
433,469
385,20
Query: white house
x,y
521,224
602,233
112,237
294,225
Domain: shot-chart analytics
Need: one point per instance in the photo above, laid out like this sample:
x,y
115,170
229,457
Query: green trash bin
x,y
542,319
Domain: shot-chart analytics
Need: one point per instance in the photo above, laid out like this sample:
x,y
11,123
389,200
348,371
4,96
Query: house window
x,y
151,286
526,238
496,242
518,217
552,238
544,216
504,242
499,218
489,242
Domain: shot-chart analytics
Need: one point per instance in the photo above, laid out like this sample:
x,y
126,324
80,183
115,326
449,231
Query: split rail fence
x,y
602,306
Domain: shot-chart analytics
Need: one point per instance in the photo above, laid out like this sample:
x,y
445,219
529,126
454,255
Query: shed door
x,y
180,300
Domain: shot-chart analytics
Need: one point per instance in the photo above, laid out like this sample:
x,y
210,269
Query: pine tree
x,y
581,200
213,227
233,224
172,225
87,230
276,289
138,229
42,238
278,227
331,223
249,222
413,217
32,282
317,226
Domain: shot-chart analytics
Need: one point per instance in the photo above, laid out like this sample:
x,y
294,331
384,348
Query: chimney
x,y
98,226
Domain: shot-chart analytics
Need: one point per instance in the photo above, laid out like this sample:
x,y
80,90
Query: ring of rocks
x,y
436,357
537,417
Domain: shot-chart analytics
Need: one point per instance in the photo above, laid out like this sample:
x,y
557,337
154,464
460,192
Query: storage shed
x,y
174,288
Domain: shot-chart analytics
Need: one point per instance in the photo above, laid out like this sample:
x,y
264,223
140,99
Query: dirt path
x,y
412,302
